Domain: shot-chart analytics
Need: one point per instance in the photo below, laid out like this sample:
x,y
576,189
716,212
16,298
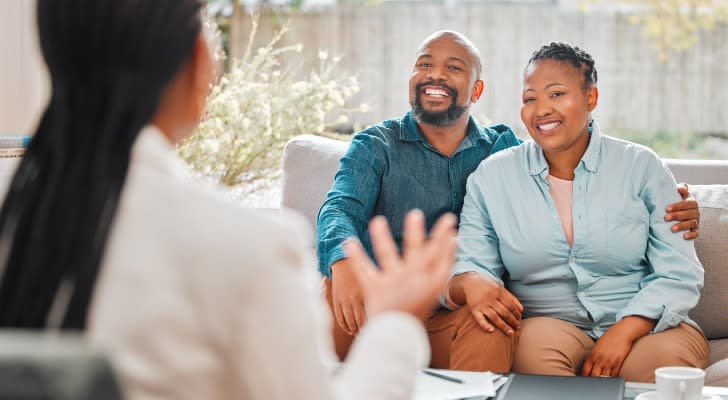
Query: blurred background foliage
x,y
672,25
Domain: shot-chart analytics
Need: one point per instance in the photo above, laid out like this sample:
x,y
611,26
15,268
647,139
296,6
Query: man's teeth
x,y
436,92
549,126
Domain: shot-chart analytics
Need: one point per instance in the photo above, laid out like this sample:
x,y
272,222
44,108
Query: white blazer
x,y
198,298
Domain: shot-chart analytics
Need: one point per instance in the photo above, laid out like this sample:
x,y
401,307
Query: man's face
x,y
442,84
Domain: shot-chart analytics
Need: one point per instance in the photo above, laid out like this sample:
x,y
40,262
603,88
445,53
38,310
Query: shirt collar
x,y
411,132
537,161
153,148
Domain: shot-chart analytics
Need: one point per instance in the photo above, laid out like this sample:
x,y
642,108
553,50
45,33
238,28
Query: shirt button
x,y
580,293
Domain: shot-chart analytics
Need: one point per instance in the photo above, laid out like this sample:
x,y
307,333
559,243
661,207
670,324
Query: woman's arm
x,y
673,286
476,277
610,351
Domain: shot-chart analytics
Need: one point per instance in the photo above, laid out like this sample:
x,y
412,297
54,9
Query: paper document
x,y
474,384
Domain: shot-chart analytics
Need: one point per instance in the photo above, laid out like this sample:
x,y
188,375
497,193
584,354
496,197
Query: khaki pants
x,y
550,346
456,341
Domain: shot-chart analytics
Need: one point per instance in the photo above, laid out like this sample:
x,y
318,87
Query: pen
x,y
441,376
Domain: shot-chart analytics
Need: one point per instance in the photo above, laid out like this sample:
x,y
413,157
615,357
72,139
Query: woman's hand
x,y
610,351
492,305
412,282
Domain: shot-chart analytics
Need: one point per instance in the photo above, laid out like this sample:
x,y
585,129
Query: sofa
x,y
310,162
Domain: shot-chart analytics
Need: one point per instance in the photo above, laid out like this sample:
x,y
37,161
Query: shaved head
x,y
461,40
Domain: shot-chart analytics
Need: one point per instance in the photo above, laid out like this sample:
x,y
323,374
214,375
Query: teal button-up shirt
x,y
391,168
624,260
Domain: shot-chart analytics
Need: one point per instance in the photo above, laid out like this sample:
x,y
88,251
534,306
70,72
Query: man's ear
x,y
477,91
592,98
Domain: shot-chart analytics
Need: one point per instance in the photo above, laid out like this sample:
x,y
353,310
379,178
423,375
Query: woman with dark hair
x,y
101,232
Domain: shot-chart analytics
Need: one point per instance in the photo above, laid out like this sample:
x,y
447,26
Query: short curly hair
x,y
570,54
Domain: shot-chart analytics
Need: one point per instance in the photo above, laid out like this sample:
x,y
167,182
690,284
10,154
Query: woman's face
x,y
555,106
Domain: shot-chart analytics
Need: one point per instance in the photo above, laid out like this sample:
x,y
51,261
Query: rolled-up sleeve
x,y
672,288
350,203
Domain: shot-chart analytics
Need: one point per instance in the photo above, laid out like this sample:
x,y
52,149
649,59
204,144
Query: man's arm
x,y
345,213
350,203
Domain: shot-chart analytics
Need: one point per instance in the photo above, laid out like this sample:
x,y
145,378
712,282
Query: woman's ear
x,y
201,71
199,74
592,98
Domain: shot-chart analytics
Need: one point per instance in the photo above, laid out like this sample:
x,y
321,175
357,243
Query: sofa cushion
x,y
717,374
711,312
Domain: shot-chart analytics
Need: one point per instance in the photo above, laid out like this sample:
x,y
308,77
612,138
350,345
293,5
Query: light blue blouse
x,y
624,261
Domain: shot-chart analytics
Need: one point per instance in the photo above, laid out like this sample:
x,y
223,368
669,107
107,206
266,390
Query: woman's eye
x,y
557,94
528,100
424,65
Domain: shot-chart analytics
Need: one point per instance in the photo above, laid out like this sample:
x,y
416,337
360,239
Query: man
x,y
422,160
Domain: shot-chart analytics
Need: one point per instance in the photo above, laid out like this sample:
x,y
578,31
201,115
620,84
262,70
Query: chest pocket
x,y
627,234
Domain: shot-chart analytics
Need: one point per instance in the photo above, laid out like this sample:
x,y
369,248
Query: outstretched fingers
x,y
385,249
441,247
413,237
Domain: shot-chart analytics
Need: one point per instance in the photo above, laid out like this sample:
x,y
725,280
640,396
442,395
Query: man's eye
x,y
454,68
424,65
528,100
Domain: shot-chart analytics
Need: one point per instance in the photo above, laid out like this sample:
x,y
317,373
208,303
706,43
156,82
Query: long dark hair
x,y
109,62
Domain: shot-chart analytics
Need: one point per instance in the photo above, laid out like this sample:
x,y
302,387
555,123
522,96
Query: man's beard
x,y
437,118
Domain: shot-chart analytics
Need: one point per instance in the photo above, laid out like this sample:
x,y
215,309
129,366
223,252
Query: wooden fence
x,y
689,92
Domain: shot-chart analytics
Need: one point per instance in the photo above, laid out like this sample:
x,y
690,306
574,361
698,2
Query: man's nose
x,y
437,74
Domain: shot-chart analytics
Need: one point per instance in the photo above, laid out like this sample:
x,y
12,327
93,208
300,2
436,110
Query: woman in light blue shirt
x,y
572,224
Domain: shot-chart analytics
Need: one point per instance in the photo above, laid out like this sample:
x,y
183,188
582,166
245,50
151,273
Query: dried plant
x,y
257,107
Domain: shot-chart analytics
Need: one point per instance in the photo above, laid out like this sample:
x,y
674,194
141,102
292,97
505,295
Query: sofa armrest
x,y
309,165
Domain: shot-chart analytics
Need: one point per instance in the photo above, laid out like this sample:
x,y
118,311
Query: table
x,y
632,389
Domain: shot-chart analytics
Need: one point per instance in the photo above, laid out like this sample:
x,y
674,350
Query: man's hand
x,y
686,212
411,282
347,297
610,351
492,305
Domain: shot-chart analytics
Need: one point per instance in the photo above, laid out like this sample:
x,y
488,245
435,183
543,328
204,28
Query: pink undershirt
x,y
561,192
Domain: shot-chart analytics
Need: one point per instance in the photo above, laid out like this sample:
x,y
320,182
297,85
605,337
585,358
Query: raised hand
x,y
410,282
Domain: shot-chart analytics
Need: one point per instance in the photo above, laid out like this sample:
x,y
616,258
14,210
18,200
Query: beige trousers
x,y
550,346
456,341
